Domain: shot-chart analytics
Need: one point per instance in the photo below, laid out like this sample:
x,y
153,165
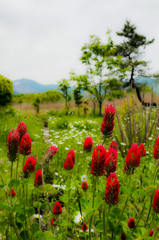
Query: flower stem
x,y
11,183
17,163
140,215
106,226
39,213
123,208
151,198
91,219
103,220
155,175
155,235
15,227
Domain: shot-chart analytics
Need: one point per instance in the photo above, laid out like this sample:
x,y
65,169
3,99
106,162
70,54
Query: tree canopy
x,y
6,90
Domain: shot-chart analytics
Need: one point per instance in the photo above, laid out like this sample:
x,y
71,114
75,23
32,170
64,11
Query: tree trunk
x,y
94,108
100,108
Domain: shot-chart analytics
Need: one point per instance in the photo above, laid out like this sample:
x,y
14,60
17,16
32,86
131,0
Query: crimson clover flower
x,y
131,223
142,150
155,203
68,164
108,121
21,129
13,142
57,210
38,178
84,185
112,190
98,161
72,153
111,161
25,145
156,149
88,143
84,227
30,163
13,193
132,159
114,145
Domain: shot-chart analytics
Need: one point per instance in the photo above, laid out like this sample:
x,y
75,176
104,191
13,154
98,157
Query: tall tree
x,y
64,86
130,50
98,58
81,85
6,90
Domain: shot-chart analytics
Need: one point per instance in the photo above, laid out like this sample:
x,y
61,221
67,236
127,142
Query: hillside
x,y
29,86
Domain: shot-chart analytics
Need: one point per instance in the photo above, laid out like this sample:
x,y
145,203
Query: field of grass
x,y
136,191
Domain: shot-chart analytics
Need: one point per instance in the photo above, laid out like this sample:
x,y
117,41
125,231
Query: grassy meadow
x,y
29,214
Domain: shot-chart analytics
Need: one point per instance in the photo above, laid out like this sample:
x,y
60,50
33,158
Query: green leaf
x,y
43,236
97,202
44,206
22,217
19,208
30,211
5,206
151,189
116,211
3,222
111,227
25,235
99,226
34,227
90,211
36,204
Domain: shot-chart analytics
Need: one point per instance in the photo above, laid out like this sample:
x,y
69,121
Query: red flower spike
x,y
84,227
98,160
156,149
68,164
13,193
111,161
112,190
13,142
151,232
57,210
52,151
52,221
108,121
30,163
84,185
72,153
131,223
132,159
114,145
142,150
21,129
123,236
88,143
38,178
25,145
155,203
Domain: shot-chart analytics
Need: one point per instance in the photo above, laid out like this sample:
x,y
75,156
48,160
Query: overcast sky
x,y
42,39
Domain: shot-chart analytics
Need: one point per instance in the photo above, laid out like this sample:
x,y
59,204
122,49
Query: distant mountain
x,y
29,86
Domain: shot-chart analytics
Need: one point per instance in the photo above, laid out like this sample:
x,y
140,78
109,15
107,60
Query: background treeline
x,y
45,97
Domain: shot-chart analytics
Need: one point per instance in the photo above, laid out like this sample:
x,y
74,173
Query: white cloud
x,y
42,40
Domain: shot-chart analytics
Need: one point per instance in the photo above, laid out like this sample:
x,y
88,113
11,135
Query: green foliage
x,y
64,86
36,103
6,90
97,57
130,49
45,97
